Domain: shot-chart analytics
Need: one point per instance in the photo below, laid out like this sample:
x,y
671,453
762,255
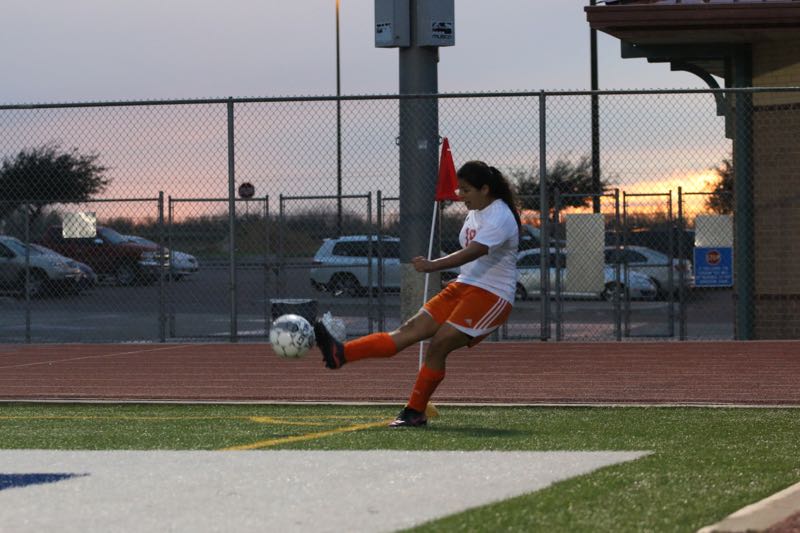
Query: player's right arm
x,y
473,251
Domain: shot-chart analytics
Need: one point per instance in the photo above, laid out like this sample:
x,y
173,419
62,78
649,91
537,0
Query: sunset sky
x,y
90,50
96,50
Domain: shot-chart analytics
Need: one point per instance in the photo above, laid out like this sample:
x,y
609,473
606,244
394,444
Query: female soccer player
x,y
464,312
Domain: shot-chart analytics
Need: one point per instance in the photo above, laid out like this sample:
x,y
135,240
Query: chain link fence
x,y
178,255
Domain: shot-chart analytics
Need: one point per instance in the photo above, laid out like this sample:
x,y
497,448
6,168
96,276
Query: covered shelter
x,y
742,44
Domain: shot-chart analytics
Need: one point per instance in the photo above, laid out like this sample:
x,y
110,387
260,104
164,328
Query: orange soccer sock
x,y
427,381
374,345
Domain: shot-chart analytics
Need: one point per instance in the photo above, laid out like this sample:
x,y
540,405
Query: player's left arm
x,y
463,256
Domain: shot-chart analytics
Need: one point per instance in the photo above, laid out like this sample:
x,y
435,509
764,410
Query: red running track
x,y
746,373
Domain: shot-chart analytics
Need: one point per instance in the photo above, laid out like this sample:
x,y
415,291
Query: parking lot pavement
x,y
200,307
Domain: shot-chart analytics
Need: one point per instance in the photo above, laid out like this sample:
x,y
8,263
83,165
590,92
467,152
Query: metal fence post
x,y
280,260
544,226
743,197
234,331
381,296
162,326
670,271
171,313
618,247
682,271
626,304
544,268
267,310
370,258
27,275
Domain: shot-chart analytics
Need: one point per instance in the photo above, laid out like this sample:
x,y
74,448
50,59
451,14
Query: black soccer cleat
x,y
332,350
409,418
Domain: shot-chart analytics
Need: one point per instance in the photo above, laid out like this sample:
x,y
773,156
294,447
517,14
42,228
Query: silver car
x,y
341,265
665,272
181,263
46,272
640,286
88,278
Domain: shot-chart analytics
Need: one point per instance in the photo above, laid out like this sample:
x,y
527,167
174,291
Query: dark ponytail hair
x,y
478,174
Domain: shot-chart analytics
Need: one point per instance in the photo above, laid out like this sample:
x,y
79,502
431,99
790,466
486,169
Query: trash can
x,y
305,307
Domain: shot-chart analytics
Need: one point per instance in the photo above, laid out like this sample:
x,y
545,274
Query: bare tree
x,y
564,177
38,177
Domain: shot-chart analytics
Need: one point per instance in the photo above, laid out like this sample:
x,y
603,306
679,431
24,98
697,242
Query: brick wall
x,y
777,318
776,64
776,195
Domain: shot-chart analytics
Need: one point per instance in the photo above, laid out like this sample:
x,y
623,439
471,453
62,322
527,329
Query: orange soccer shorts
x,y
475,311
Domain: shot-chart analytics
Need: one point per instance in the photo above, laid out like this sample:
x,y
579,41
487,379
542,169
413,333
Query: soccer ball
x,y
291,336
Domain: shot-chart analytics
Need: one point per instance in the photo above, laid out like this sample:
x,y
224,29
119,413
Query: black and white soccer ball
x,y
291,336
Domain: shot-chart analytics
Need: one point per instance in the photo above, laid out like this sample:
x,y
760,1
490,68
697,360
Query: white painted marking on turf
x,y
277,490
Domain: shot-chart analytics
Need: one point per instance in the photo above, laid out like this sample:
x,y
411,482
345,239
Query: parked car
x,y
88,278
654,264
109,254
181,263
682,242
529,282
531,237
340,265
46,273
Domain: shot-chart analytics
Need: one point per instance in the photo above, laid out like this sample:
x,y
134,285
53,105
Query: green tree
x,y
563,176
48,175
721,198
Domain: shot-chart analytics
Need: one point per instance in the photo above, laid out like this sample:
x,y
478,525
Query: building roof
x,y
697,21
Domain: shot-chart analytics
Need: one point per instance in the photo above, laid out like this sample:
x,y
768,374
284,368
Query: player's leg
x,y
417,328
421,326
446,339
431,373
477,314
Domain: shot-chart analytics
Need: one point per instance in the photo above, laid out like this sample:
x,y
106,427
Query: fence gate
x,y
588,294
227,296
652,254
708,306
340,283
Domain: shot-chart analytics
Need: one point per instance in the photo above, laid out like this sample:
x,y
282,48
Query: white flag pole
x,y
428,274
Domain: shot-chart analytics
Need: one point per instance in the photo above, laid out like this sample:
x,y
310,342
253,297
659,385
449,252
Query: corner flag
x,y
448,183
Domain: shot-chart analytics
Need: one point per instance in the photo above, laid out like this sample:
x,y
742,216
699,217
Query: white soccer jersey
x,y
495,227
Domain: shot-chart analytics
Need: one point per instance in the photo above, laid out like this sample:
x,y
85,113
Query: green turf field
x,y
706,463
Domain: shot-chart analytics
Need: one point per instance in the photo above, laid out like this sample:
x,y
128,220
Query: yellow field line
x,y
308,436
284,422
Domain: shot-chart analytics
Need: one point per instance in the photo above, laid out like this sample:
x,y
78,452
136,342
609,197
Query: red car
x,y
110,254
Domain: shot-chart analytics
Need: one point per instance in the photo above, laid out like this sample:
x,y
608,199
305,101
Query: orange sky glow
x,y
657,199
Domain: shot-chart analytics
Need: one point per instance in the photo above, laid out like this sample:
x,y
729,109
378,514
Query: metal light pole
x,y
596,186
338,132
407,25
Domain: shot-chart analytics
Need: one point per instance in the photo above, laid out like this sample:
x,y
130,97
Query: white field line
x,y
99,356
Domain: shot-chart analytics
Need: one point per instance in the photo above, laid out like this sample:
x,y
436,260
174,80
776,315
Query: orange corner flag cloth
x,y
447,184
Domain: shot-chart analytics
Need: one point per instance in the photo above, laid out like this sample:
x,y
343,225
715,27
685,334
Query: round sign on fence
x,y
246,190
